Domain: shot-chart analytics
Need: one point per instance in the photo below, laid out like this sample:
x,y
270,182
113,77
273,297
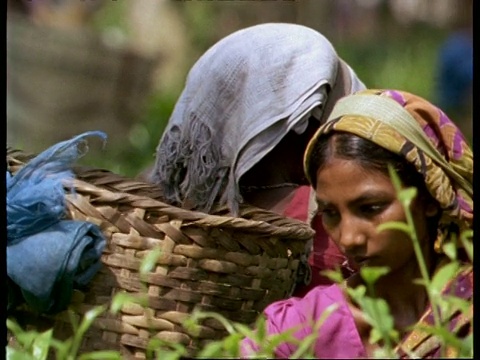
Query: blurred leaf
x,y
406,196
41,345
443,333
358,293
335,275
304,350
123,298
466,347
442,277
164,350
379,313
211,351
101,355
243,329
73,320
24,338
199,315
85,324
149,262
420,282
261,328
397,184
232,344
271,342
450,249
394,225
15,354
458,304
62,347
370,274
90,317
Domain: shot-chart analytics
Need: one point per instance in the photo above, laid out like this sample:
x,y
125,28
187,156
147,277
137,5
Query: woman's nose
x,y
352,239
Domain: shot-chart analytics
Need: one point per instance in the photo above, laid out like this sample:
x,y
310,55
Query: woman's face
x,y
353,201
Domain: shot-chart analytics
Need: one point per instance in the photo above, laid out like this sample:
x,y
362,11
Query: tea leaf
x,y
406,196
335,275
25,338
41,345
441,278
87,321
450,249
232,344
101,355
394,225
149,262
358,293
123,298
15,354
371,274
211,350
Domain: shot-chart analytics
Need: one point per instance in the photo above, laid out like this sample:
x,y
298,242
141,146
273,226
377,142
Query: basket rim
x,y
290,228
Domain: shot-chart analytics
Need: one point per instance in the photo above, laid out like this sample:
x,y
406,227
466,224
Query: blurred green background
x,y
389,43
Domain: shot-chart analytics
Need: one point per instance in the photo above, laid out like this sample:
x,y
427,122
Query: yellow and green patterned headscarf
x,y
412,127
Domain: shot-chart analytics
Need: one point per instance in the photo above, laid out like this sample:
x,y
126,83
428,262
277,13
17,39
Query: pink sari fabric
x,y
338,337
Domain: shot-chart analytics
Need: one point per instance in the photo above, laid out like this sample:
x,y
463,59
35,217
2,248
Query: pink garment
x,y
325,254
298,206
337,337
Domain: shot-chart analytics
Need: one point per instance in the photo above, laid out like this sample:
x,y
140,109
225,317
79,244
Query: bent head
x,y
347,163
240,100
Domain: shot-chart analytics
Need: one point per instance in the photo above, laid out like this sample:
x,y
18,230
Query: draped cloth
x,y
431,142
240,99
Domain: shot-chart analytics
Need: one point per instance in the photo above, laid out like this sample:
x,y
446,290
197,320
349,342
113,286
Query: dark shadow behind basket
x,y
232,266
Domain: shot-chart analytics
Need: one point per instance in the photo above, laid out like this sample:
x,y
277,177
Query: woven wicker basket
x,y
232,266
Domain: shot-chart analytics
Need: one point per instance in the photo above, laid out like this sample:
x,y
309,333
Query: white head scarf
x,y
240,99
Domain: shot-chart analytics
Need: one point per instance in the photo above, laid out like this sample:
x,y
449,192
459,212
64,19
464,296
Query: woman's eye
x,y
329,215
372,209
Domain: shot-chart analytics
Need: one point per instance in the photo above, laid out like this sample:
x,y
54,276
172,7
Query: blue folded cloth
x,y
48,255
48,265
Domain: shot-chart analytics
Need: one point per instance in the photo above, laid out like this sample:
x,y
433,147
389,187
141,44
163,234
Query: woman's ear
x,y
432,209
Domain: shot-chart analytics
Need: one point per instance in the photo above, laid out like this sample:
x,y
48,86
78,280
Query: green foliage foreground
x,y
35,345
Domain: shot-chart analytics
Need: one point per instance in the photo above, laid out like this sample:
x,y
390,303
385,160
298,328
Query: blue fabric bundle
x,y
47,254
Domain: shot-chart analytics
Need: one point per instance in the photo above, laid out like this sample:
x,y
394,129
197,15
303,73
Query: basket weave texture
x,y
234,266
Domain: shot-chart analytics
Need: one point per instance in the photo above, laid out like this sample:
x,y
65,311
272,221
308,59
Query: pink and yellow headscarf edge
x,y
412,127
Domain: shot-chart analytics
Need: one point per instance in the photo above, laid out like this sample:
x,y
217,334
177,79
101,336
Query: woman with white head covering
x,y
240,127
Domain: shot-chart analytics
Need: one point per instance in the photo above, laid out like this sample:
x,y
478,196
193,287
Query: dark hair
x,y
370,155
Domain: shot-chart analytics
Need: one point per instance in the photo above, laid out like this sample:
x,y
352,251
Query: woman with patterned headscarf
x,y
240,127
347,162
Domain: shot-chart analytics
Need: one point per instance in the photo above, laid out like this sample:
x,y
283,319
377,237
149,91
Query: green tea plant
x,y
442,306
